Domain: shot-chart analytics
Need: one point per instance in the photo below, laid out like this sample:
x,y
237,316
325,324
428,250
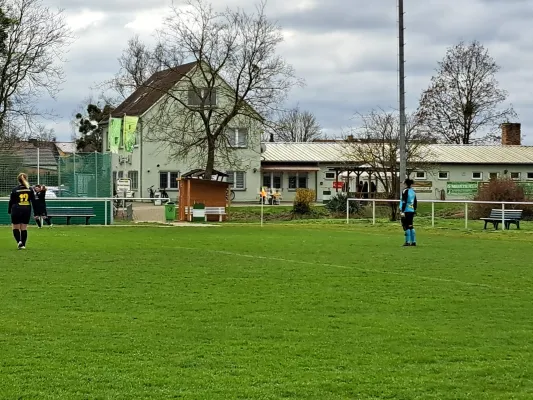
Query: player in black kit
x,y
39,210
20,202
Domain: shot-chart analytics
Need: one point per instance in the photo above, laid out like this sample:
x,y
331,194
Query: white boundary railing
x,y
433,202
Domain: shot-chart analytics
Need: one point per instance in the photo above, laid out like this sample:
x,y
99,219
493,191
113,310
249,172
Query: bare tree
x,y
138,62
376,143
30,64
296,125
236,80
462,103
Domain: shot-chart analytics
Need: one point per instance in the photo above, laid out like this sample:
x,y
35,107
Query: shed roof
x,y
334,152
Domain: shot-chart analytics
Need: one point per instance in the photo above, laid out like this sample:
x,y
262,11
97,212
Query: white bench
x,y
220,211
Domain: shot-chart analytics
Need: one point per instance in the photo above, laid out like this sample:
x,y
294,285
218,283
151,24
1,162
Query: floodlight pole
x,y
403,152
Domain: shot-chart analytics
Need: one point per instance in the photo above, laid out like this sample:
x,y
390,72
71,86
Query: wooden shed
x,y
193,189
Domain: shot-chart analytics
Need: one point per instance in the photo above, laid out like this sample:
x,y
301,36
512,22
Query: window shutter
x,y
231,177
192,97
213,97
231,137
242,137
239,181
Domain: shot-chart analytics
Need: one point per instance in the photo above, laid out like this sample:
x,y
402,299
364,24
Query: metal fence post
x,y
373,211
466,215
433,214
347,210
503,216
105,211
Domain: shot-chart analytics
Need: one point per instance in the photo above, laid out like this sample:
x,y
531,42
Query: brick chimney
x,y
511,135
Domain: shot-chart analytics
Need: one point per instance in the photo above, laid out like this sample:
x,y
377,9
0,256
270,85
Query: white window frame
x,y
168,179
326,175
232,178
418,178
234,134
528,176
133,176
497,175
270,175
443,172
515,179
480,175
297,174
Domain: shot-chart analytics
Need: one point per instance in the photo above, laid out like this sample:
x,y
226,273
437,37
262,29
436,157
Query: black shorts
x,y
40,213
408,219
20,216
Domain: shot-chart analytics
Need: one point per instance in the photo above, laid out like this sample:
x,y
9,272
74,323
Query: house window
x,y
298,180
202,96
477,175
134,178
530,175
515,176
329,175
168,179
272,180
237,180
444,175
120,174
114,177
493,176
238,137
420,175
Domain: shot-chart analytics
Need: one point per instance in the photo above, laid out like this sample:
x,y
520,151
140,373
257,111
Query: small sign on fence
x,y
124,185
461,188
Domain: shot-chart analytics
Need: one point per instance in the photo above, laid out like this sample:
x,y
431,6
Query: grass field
x,y
301,311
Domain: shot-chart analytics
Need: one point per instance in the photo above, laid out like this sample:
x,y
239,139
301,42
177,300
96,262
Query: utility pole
x,y
403,152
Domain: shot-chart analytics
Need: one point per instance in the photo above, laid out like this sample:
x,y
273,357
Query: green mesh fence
x,y
70,175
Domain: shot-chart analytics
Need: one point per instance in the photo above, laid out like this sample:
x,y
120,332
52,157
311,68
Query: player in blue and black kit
x,y
408,205
20,203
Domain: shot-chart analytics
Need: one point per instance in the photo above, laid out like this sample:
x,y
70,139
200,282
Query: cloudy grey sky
x,y
346,50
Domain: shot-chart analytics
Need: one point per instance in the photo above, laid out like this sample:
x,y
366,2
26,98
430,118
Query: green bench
x,y
71,212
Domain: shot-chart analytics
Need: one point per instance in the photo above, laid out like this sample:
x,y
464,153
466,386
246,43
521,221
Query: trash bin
x,y
198,212
170,212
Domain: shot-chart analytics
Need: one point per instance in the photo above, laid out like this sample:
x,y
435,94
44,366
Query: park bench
x,y
70,212
220,211
496,216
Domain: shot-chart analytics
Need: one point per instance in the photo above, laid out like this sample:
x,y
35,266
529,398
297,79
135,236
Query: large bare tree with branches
x,y
237,80
296,125
376,143
138,62
463,103
30,64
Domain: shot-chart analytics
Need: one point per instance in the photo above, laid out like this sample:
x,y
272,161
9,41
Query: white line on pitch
x,y
376,271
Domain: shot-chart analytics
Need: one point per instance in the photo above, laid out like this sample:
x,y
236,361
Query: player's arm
x,y
12,201
415,203
33,199
404,199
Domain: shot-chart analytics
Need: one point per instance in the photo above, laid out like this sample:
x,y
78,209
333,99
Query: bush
x,y
500,190
303,200
337,205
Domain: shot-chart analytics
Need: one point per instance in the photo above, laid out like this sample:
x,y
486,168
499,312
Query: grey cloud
x,y
356,73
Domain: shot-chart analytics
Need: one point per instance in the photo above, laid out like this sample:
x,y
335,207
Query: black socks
x,y
23,237
16,235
